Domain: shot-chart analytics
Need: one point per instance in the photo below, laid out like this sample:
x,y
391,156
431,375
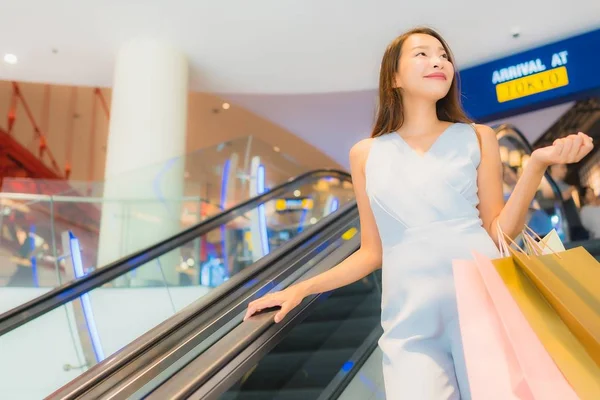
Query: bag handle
x,y
532,244
503,245
539,244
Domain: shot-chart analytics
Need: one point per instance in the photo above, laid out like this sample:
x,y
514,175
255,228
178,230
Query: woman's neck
x,y
420,117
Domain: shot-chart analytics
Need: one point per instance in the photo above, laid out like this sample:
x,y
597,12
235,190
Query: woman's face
x,y
424,68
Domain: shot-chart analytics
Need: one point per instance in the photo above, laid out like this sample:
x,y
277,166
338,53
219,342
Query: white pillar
x,y
143,190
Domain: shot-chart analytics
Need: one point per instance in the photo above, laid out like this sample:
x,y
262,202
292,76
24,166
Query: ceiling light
x,y
297,193
276,149
226,106
10,59
515,32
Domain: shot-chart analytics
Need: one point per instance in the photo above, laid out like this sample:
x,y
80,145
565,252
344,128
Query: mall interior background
x,y
256,116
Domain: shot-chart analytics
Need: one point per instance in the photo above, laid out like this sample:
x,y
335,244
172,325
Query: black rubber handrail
x,y
26,312
517,131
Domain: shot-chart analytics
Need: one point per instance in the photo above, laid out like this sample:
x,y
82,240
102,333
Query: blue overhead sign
x,y
552,73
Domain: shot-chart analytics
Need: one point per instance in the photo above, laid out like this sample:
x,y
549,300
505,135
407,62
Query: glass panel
x,y
174,194
215,257
206,260
82,333
99,323
28,262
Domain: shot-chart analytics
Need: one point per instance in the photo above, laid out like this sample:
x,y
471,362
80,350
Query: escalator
x,y
319,343
57,336
324,349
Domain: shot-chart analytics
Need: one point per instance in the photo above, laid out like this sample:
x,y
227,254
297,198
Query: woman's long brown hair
x,y
390,113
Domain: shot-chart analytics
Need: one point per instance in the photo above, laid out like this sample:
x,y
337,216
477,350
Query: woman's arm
x,y
360,264
512,215
368,258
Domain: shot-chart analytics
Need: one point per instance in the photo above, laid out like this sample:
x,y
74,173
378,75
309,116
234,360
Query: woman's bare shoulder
x,y
360,151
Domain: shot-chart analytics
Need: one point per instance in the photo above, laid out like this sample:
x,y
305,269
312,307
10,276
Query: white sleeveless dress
x,y
425,209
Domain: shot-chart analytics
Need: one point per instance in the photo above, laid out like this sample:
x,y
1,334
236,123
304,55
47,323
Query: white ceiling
x,y
308,65
332,122
268,46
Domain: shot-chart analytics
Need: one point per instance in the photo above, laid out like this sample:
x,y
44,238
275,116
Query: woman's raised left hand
x,y
567,150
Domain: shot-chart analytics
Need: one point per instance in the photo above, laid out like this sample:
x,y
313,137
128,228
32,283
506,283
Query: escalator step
x,y
337,334
338,308
365,285
300,370
299,394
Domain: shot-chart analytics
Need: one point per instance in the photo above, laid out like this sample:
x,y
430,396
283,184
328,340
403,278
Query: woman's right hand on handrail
x,y
287,299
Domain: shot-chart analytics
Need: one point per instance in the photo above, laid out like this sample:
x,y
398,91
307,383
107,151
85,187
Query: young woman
x,y
428,186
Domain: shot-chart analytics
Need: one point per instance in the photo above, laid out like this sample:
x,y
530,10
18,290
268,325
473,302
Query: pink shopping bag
x,y
543,377
504,361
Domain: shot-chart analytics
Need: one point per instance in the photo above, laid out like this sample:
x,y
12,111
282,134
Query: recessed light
x,y
276,149
515,32
10,59
226,106
297,193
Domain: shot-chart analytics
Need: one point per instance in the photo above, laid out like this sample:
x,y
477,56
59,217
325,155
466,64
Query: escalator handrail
x,y
47,302
251,337
221,298
517,131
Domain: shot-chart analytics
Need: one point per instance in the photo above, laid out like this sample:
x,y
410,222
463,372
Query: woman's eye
x,y
421,54
445,56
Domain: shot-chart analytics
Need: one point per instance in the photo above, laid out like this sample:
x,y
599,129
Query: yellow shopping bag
x,y
569,297
573,359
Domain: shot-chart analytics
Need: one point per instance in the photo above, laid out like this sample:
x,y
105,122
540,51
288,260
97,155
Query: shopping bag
x,y
492,367
539,370
580,269
569,355
552,243
568,295
536,245
576,266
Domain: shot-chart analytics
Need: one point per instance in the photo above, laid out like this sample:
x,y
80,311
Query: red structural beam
x,y
43,143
